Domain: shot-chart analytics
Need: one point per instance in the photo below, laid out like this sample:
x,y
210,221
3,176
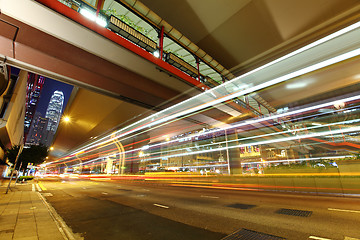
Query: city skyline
x,y
45,109
50,86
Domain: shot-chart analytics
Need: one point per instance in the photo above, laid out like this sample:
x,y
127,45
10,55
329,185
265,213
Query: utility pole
x,y
12,174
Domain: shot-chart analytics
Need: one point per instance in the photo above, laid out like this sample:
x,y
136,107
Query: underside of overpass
x,y
116,82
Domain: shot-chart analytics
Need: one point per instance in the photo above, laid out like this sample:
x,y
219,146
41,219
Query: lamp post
x,y
12,174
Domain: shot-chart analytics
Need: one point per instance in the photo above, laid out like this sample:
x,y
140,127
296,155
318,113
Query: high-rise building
x,y
37,133
53,114
33,90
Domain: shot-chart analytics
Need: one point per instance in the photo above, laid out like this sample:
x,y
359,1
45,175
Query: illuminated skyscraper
x,y
34,87
37,133
53,114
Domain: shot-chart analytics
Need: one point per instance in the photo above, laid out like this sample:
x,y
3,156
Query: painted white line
x,y
33,188
162,206
343,210
320,238
38,188
350,238
47,195
65,231
146,190
105,193
208,196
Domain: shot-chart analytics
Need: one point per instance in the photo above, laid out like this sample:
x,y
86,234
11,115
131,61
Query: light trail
x,y
254,137
217,143
248,138
299,159
353,129
284,78
155,119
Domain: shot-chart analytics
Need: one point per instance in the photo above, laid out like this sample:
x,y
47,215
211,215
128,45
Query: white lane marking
x,y
38,188
33,188
159,205
208,196
140,195
320,238
350,238
146,190
105,193
343,210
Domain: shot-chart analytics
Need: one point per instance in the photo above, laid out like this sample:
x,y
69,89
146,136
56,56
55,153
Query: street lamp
x,y
66,119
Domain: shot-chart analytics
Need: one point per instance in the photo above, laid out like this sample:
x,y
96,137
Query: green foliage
x,y
35,154
26,178
128,21
11,153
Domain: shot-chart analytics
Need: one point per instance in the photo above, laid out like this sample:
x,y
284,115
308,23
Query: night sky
x,y
50,86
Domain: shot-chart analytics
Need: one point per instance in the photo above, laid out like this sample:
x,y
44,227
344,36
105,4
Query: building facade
x,y
53,114
37,133
33,90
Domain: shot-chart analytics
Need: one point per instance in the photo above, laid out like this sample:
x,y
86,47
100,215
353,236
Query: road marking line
x,y
105,193
350,238
162,206
47,194
313,237
343,210
38,188
33,188
65,231
42,187
208,196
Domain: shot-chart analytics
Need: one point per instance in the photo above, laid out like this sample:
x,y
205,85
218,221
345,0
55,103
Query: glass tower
x,y
53,114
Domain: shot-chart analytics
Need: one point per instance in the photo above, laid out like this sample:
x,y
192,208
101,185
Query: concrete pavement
x,y
25,215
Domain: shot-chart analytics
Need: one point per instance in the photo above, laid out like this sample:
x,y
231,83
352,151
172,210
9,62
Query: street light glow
x,y
66,118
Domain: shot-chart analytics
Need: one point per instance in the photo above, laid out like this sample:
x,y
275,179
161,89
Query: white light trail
x,y
251,122
319,134
242,139
299,159
154,119
286,77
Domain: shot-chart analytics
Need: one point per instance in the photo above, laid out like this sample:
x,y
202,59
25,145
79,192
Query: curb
x,y
65,231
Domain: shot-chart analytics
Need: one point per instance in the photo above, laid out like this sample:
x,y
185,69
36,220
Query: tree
x,y
35,154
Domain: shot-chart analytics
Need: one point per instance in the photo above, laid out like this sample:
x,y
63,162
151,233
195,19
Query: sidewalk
x,y
25,215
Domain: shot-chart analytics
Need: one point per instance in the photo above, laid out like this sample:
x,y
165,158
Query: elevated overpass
x,y
44,38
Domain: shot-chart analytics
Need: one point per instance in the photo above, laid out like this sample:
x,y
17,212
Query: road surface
x,y
140,210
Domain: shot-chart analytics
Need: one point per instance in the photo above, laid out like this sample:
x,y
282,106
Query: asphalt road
x,y
139,210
